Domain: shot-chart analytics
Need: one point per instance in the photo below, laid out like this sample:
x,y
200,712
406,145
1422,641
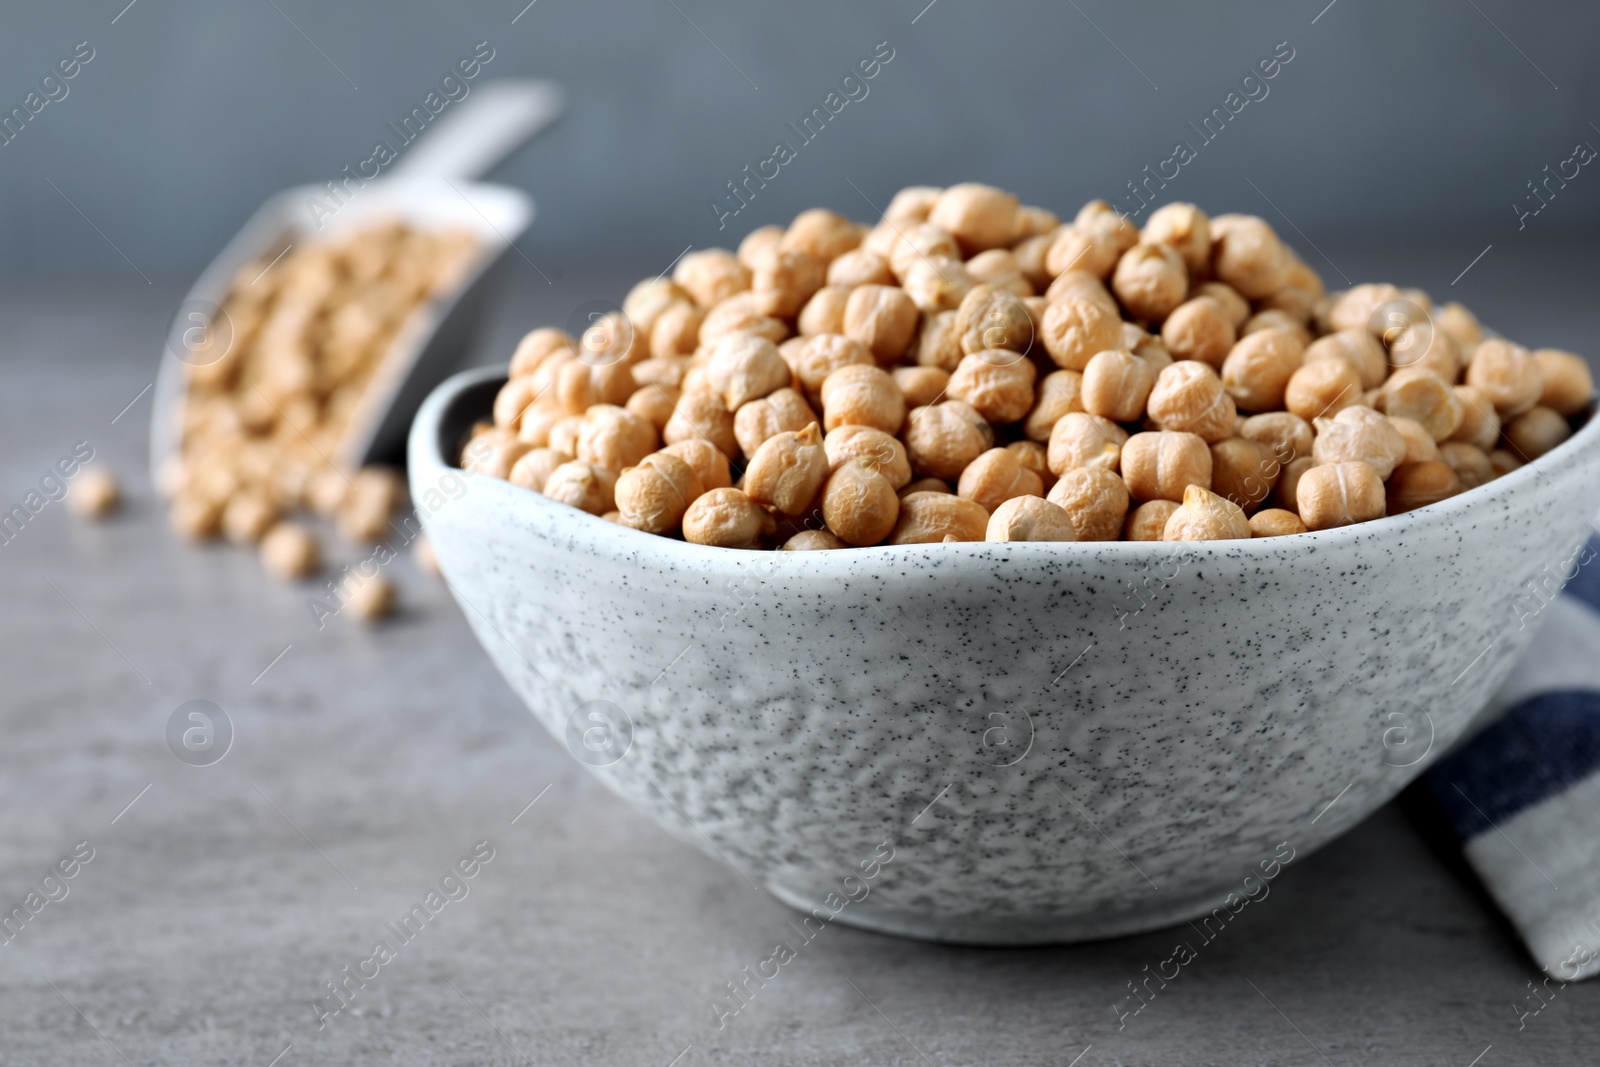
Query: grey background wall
x,y
1392,119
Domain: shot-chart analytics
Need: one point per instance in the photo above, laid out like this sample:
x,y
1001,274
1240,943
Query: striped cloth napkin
x,y
1523,795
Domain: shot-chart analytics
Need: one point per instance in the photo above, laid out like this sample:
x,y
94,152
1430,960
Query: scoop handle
x,y
472,137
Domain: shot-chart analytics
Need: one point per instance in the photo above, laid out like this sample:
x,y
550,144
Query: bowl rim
x,y
611,539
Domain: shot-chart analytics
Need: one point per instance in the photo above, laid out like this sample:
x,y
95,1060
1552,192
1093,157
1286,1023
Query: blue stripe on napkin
x,y
1585,585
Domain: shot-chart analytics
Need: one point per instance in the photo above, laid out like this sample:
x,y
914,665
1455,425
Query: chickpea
x,y
871,448
195,516
1080,439
614,438
825,353
859,267
1150,281
1423,347
1199,329
1100,215
288,551
1031,255
937,284
1421,395
922,241
1116,385
1189,397
1285,435
1095,499
1480,425
881,317
1535,432
932,518
990,317
1507,374
859,504
914,203
1029,518
747,313
711,276
743,368
788,470
1246,254
821,234
1356,347
705,416
1416,485
925,485
790,275
761,420
1359,434
676,330
1354,308
1244,472
1259,366
1567,385
654,404
1275,522
1035,457
535,466
246,517
1085,286
862,396
709,463
824,312
995,382
980,217
813,540
1134,335
1000,268
584,486
95,494
1235,307
1322,387
1148,521
758,241
938,344
943,438
666,370
514,398
1093,251
1162,464
921,386
1504,462
1186,229
537,345
492,454
1470,463
1461,325
1338,494
1276,319
654,495
1205,516
1075,329
995,477
1060,393
1420,444
726,518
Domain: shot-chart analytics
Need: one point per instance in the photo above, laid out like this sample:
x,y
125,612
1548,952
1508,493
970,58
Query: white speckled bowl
x,y
1052,751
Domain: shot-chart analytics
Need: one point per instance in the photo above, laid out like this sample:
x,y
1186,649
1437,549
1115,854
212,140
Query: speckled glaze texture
x,y
1060,741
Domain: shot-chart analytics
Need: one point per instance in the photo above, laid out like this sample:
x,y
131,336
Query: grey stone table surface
x,y
221,900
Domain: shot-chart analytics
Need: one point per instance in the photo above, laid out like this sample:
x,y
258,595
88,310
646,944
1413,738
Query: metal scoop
x,y
430,187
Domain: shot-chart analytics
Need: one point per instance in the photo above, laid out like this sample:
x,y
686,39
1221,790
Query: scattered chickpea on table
x,y
973,369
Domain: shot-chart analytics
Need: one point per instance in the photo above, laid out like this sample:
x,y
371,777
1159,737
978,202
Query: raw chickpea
x,y
1116,385
745,368
937,284
990,317
1353,309
535,346
1246,254
1074,329
758,241
1243,471
614,438
1150,281
914,203
654,404
1259,366
1060,393
709,463
785,411
1567,384
1085,286
938,344
726,518
1031,255
1470,463
245,519
933,518
371,599
1035,457
326,487
1507,374
711,276
1460,324
862,396
667,370
980,217
859,267
492,454
535,466
1134,335
792,277
1420,444
514,398
1185,228
881,317
1338,494
1286,436
288,551
1189,397
1416,485
1235,307
1480,425
812,540
705,416
1155,354
995,477
1356,347
821,355
1420,395
1322,387
194,516
676,330
1503,462
1080,439
95,494
1095,499
921,386
1029,518
997,383
372,497
654,495
426,558
1205,516
922,241
824,312
858,504
1535,432
943,438
822,234
613,338
1035,222
1275,522
1276,319
871,448
1359,434
788,470
583,486
747,313
1162,464
1148,521
1100,215
924,485
1199,329
1093,251
1423,347
999,267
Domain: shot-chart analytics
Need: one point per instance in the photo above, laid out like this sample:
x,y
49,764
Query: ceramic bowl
x,y
1003,743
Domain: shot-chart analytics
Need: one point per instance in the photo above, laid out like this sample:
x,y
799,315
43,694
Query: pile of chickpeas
x,y
278,377
974,369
